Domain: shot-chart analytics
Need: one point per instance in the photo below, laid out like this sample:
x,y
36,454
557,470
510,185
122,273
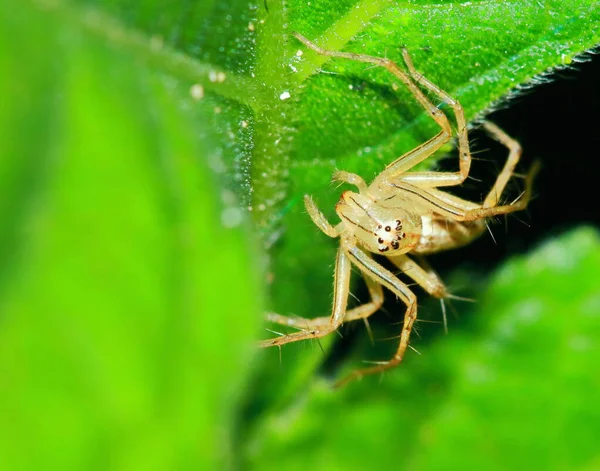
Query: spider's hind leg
x,y
514,155
490,206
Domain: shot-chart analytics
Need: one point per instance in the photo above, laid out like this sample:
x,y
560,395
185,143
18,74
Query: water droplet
x,y
197,91
231,217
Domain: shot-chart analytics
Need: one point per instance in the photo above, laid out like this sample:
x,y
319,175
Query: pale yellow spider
x,y
401,213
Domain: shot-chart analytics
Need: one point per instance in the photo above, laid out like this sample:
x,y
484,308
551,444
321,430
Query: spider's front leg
x,y
381,275
341,289
359,312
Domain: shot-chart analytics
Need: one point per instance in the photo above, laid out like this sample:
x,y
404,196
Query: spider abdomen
x,y
439,234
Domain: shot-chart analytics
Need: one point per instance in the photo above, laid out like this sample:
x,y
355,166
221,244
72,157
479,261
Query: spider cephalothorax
x,y
379,229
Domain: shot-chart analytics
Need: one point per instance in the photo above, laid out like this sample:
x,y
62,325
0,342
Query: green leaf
x,y
121,346
516,390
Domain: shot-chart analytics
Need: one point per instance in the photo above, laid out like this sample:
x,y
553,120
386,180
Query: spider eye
x,y
388,228
380,240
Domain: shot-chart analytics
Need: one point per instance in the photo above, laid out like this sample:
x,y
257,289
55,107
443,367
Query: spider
x,y
402,213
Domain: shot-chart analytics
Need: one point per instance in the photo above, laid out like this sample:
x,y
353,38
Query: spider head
x,y
380,229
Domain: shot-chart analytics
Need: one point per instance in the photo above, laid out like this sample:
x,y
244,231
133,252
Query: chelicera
x,y
402,213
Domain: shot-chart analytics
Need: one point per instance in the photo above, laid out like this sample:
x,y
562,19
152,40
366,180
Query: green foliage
x,y
118,346
131,133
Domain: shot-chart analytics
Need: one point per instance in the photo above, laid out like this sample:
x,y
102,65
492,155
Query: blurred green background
x,y
151,176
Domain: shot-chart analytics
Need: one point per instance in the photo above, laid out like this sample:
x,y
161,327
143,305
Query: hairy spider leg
x,y
341,289
417,155
377,272
428,280
514,155
359,312
458,209
437,179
